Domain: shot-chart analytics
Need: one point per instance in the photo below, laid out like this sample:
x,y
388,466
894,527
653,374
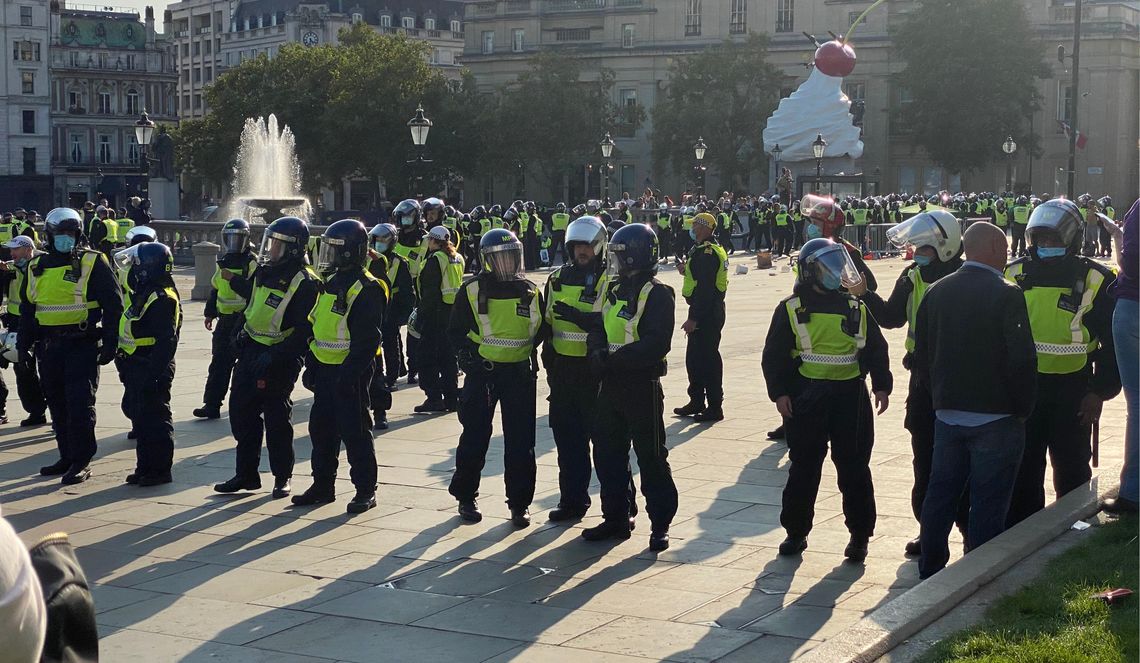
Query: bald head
x,y
985,243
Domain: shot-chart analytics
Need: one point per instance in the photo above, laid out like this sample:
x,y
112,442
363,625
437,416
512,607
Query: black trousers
x,y
861,236
412,345
573,397
920,422
261,405
665,239
558,245
392,346
512,386
379,395
630,410
797,234
703,362
27,387
436,363
150,413
530,249
839,413
724,236
222,361
783,244
340,416
1018,246
682,242
764,236
1053,428
69,374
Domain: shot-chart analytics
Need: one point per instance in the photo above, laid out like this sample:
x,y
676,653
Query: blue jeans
x,y
985,456
1125,333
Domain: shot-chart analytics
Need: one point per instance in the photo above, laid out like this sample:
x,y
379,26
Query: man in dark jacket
x,y
973,346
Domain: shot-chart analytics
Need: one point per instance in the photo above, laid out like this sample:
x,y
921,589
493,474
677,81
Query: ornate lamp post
x,y
817,147
419,126
1009,147
699,149
607,146
144,134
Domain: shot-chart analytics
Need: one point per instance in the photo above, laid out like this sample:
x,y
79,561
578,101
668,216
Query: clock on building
x,y
310,38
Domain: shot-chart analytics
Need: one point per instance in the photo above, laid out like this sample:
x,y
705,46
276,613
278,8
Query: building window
x,y
131,61
385,21
74,100
572,34
25,15
26,51
196,49
357,18
1064,104
209,72
29,117
207,46
627,177
627,33
408,22
132,102
738,23
488,41
517,36
185,50
692,18
429,24
76,151
785,15
102,60
898,113
197,75
104,102
132,149
185,103
28,82
906,179
931,180
197,102
104,152
456,26
627,99
73,59
29,160
446,56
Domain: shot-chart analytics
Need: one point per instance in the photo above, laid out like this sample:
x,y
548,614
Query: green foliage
x,y
725,95
971,69
1054,619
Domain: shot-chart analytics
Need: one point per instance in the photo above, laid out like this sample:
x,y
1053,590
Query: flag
x,y
1082,138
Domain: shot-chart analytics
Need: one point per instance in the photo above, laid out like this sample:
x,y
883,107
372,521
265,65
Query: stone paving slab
x,y
181,573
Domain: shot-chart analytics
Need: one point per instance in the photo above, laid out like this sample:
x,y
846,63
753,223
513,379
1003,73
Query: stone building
x,y
639,40
107,67
25,155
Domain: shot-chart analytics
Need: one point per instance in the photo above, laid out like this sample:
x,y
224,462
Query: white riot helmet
x,y
937,229
8,347
588,230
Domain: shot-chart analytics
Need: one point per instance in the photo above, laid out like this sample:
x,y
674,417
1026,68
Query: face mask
x,y
381,247
63,243
922,261
21,262
813,231
1046,252
693,234
829,282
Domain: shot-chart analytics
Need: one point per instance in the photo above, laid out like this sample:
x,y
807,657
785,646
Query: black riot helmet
x,y
285,240
235,236
151,265
344,246
407,214
634,249
501,254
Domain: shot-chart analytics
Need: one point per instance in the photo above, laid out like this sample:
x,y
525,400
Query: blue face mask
x,y
921,260
1046,252
381,247
829,282
21,262
813,231
693,234
63,243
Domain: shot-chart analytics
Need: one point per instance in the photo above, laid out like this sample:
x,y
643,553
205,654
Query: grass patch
x,y
1053,620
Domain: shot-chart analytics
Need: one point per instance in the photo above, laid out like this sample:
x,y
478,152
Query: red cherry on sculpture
x,y
835,59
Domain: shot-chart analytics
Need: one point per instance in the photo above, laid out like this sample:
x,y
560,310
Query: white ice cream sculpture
x,y
818,106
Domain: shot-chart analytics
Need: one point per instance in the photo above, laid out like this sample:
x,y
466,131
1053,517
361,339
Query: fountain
x,y
267,178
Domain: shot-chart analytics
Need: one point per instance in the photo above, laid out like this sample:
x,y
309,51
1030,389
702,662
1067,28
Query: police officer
x,y
21,249
628,352
345,337
230,288
1020,214
936,237
1070,315
537,229
438,283
577,287
123,224
820,346
860,218
411,245
559,221
67,293
103,231
271,347
494,325
783,225
390,267
706,280
664,229
148,339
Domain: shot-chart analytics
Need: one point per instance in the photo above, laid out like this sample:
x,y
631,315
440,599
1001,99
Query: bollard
x,y
205,261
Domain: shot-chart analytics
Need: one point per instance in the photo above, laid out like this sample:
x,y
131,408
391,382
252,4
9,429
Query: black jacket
x,y
781,370
973,345
157,323
645,357
891,314
403,296
71,635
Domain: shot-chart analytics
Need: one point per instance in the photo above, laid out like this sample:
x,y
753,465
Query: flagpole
x,y
1076,96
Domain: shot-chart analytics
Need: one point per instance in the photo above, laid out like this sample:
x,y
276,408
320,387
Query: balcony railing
x,y
205,30
575,5
515,6
627,3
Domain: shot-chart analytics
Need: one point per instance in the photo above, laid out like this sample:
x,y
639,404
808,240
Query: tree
x,y
971,70
724,95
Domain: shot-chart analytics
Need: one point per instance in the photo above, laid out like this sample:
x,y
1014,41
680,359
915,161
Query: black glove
x,y
26,360
598,363
564,311
470,362
107,352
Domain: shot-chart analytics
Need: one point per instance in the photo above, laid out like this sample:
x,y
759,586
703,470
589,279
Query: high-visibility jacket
x,y
621,327
568,338
451,275
1056,318
824,346
559,221
331,338
59,294
917,292
690,283
503,335
129,343
265,314
229,301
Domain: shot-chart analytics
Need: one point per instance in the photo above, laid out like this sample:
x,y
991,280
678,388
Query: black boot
x,y
431,406
563,513
154,479
55,469
208,412
133,478
793,545
777,434
34,420
76,474
609,529
520,517
316,494
709,414
914,547
469,511
659,539
281,488
856,549
380,421
691,408
238,483
362,501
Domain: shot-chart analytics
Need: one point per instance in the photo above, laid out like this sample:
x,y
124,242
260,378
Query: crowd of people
x,y
438,295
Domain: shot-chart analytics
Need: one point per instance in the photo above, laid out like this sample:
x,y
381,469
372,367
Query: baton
x,y
1096,443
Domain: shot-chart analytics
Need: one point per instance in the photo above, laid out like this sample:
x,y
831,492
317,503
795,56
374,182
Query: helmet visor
x,y
124,260
235,241
328,254
917,231
274,248
1052,220
505,262
834,263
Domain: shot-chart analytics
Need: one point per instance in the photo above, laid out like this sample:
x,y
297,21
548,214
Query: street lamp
x,y
144,133
776,152
1009,147
817,147
607,146
419,126
699,149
